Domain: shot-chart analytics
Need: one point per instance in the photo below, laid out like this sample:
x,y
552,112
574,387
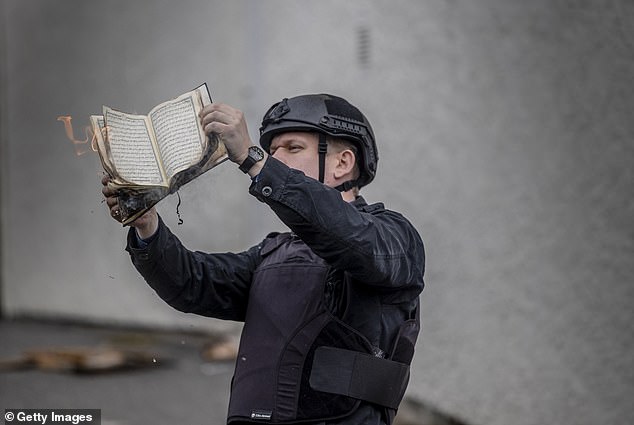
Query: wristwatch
x,y
255,154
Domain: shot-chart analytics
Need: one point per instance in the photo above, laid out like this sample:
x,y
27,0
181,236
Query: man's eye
x,y
294,148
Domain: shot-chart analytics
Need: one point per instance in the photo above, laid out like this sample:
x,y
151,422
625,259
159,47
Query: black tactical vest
x,y
297,361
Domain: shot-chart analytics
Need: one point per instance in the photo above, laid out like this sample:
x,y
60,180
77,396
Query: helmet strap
x,y
322,149
346,186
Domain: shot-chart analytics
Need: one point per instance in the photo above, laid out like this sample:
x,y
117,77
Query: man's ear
x,y
345,163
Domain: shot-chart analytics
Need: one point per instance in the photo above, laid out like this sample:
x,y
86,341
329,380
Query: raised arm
x,y
376,246
215,285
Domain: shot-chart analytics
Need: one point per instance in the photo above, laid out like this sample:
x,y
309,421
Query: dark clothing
x,y
370,261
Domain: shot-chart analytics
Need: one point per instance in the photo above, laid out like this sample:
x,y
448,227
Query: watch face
x,y
256,153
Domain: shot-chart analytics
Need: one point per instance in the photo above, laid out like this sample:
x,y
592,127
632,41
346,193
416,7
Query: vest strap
x,y
359,375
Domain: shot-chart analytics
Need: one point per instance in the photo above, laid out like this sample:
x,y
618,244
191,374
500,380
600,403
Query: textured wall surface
x,y
506,136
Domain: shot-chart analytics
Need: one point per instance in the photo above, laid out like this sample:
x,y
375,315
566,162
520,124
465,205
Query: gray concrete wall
x,y
505,135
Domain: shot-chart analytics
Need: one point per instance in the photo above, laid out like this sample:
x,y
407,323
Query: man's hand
x,y
230,126
146,225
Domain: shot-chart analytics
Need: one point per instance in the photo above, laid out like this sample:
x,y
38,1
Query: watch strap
x,y
247,164
255,155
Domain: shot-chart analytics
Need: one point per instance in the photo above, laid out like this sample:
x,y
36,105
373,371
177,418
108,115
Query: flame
x,y
81,146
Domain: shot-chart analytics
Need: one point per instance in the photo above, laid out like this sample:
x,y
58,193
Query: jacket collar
x,y
360,204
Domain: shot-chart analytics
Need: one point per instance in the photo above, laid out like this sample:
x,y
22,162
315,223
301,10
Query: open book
x,y
150,156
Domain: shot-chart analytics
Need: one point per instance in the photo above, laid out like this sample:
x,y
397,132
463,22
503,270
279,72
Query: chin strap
x,y
322,149
346,186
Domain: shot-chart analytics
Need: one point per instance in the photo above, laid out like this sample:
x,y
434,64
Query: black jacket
x,y
376,261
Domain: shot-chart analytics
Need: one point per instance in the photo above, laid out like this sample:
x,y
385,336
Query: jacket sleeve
x,y
376,246
215,285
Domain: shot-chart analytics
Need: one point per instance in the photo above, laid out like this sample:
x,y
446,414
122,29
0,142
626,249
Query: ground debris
x,y
81,360
219,349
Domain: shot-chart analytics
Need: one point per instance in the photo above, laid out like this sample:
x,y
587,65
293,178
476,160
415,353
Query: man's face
x,y
298,150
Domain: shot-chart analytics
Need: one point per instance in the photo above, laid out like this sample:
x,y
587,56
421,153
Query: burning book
x,y
151,156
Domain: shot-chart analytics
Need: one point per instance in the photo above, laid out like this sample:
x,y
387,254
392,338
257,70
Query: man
x,y
330,309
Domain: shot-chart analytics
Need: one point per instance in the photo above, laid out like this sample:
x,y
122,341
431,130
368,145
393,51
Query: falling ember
x,y
81,146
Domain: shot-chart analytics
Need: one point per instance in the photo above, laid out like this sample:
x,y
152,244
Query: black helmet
x,y
326,115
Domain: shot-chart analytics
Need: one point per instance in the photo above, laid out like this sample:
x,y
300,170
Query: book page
x,y
178,132
98,126
203,91
131,148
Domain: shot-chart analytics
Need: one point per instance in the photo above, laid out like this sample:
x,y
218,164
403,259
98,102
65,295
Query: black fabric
x,y
359,375
348,276
281,322
404,348
311,401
